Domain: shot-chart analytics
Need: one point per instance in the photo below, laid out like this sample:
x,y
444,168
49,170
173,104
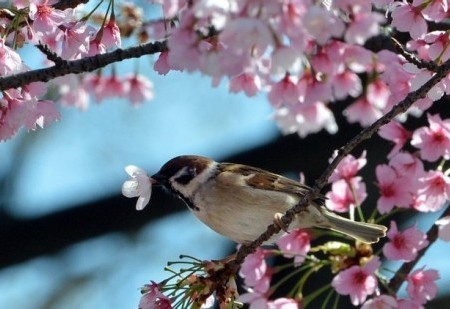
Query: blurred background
x,y
69,239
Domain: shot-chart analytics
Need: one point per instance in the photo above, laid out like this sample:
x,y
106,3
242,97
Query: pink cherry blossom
x,y
153,298
10,60
244,34
114,87
404,245
433,141
140,88
439,42
409,167
255,299
380,302
311,118
111,35
377,93
393,190
395,132
364,25
403,303
322,25
348,167
286,59
249,83
162,64
435,10
363,112
346,83
433,192
444,228
421,285
45,17
287,90
96,47
254,269
283,303
295,244
95,85
357,281
346,195
76,40
408,18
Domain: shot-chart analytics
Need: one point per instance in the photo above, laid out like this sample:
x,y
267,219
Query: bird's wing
x,y
261,179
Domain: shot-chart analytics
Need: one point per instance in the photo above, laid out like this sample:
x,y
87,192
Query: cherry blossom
x,y
322,25
140,88
287,90
395,132
10,60
409,18
404,245
254,270
433,141
348,167
393,190
283,303
139,185
45,18
357,281
345,195
434,191
444,228
403,303
111,35
249,83
380,302
421,285
438,45
409,167
363,112
76,40
153,298
295,244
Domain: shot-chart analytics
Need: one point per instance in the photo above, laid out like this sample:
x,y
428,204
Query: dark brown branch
x,y
67,4
51,55
87,64
405,269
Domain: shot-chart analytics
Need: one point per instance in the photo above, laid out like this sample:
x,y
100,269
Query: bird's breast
x,y
238,212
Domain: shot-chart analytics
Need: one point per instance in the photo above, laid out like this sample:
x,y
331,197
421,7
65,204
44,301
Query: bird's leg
x,y
278,222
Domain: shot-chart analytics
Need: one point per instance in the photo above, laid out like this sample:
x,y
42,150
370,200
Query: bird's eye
x,y
186,175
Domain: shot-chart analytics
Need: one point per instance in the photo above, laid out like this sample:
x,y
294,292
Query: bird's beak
x,y
158,179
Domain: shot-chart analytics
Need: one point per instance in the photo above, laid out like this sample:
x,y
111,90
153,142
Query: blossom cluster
x,y
306,55
68,36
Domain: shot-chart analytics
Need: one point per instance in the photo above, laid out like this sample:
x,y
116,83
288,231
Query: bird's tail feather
x,y
365,232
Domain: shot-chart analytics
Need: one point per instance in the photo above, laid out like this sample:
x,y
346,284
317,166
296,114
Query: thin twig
x,y
421,64
51,55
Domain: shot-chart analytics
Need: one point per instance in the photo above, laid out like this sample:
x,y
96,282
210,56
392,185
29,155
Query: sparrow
x,y
240,201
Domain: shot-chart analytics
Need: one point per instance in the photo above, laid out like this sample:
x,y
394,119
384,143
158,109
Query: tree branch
x,y
87,64
400,274
66,4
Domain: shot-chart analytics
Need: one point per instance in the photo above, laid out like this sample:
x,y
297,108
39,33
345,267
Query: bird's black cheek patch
x,y
184,179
